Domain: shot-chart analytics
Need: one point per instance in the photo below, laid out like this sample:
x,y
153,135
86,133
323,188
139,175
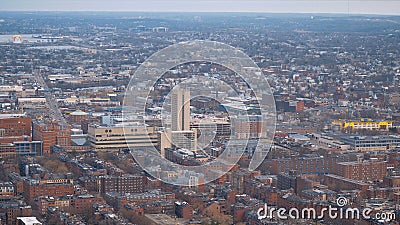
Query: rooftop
x,y
29,220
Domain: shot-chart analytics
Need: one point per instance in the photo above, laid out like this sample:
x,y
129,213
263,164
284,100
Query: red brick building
x,y
372,170
51,134
54,187
338,183
13,129
15,126
134,209
78,116
183,210
81,202
10,210
306,165
247,127
7,190
393,181
239,212
12,139
8,151
46,202
123,184
299,106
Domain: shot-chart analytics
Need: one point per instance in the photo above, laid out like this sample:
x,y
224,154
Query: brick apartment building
x,y
183,210
338,183
53,187
10,210
372,170
7,190
123,184
79,202
247,127
15,127
51,134
306,165
82,202
8,151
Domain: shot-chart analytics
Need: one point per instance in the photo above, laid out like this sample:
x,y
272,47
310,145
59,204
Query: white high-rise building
x,y
180,134
180,110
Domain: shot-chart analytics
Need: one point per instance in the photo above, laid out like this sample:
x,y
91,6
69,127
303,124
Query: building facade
x,y
180,110
367,124
371,170
121,138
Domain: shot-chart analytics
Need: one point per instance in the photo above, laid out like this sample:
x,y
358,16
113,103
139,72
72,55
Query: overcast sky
x,y
275,6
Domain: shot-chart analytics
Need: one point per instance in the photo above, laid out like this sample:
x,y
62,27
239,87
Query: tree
x,y
53,165
217,217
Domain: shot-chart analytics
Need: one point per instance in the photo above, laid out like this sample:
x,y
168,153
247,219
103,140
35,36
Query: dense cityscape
x,y
67,150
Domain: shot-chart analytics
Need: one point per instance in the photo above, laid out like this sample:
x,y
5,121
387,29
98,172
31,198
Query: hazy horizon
x,y
376,7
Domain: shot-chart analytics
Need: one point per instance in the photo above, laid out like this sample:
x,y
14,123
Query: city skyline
x,y
199,118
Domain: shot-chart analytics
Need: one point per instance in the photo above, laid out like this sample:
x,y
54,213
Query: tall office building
x,y
180,110
180,136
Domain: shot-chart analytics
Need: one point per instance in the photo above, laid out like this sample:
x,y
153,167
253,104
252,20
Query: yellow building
x,y
367,124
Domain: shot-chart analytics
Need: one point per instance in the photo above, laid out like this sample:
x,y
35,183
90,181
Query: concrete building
x,y
329,142
110,119
185,139
29,148
180,110
121,138
220,128
372,143
180,135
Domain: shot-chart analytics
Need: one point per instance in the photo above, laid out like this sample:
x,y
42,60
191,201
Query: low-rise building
x,y
121,138
367,124
372,143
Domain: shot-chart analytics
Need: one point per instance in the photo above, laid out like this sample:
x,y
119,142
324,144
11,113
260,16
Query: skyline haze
x,y
384,7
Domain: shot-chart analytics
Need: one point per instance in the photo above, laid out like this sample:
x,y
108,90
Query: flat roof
x,y
346,179
12,115
359,163
161,219
29,220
